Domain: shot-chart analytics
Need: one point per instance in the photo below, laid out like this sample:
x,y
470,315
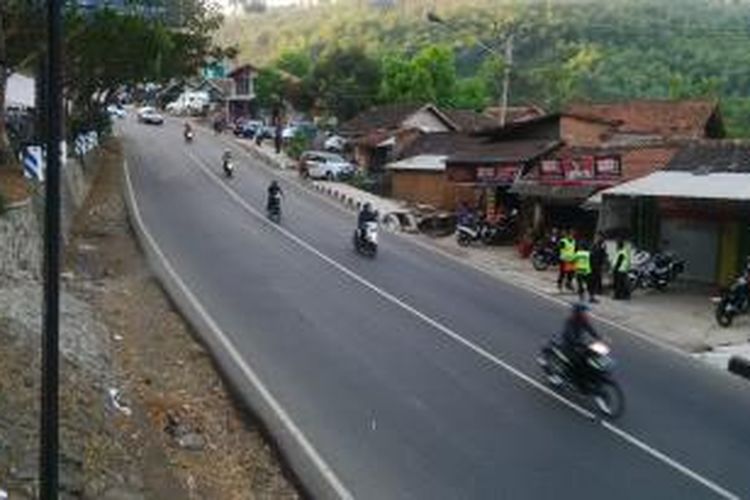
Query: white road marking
x,y
482,269
627,437
327,472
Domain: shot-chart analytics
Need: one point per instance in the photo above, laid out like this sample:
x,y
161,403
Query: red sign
x,y
579,169
608,167
551,168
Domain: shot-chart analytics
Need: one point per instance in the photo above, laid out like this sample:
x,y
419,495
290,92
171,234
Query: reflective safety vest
x,y
625,253
567,249
583,262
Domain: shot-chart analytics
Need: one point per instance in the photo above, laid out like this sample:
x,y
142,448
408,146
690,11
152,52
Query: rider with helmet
x,y
576,335
367,214
274,194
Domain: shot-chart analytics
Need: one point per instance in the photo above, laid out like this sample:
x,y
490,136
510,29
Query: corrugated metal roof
x,y
672,184
432,163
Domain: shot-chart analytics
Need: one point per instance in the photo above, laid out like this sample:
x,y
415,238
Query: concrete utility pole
x,y
507,59
506,79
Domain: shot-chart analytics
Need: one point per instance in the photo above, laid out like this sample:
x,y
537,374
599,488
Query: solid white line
x,y
327,472
665,459
476,267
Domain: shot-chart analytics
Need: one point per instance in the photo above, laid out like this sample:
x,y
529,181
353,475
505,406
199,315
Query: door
x,y
696,241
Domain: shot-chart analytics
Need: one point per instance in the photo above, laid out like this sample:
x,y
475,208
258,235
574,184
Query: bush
x,y
297,145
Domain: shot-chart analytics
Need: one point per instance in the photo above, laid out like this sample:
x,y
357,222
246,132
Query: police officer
x,y
567,249
583,271
620,271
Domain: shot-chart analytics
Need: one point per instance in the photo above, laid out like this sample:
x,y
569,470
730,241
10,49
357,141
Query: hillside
x,y
563,50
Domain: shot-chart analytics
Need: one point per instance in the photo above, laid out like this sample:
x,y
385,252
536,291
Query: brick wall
x,y
581,133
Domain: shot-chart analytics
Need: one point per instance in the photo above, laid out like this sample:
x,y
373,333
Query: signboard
x,y
608,167
551,168
580,169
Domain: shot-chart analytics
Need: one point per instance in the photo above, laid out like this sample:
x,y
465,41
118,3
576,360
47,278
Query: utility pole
x,y
506,79
49,437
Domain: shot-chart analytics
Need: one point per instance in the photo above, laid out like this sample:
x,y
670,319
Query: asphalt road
x,y
411,375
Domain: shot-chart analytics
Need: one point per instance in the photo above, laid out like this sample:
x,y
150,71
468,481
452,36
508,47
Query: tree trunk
x,y
7,158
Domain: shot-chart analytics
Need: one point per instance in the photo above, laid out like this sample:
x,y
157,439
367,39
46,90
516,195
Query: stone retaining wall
x,y
22,225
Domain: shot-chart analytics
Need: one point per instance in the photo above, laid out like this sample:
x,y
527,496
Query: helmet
x,y
274,183
368,206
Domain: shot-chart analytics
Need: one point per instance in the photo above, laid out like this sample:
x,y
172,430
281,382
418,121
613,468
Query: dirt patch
x,y
154,420
13,185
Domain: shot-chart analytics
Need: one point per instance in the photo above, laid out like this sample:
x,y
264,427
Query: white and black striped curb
x,y
400,220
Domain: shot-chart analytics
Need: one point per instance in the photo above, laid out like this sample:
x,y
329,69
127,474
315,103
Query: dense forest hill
x,y
562,50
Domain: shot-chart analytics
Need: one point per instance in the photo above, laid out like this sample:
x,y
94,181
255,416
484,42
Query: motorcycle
x,y
500,231
228,167
545,255
596,380
274,209
655,271
467,234
367,242
189,136
733,301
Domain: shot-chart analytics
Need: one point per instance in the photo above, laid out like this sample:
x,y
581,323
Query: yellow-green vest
x,y
567,249
583,262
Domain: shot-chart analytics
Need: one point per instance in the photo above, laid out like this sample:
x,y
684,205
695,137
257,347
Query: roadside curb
x,y
316,476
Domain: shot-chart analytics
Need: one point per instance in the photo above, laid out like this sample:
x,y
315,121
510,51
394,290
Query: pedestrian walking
x,y
598,260
583,271
278,137
567,250
620,271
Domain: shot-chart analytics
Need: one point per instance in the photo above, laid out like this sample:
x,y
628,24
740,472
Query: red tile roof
x,y
665,118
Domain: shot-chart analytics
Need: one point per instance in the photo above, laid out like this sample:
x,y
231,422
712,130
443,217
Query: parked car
x,y
294,129
324,165
334,144
116,111
150,116
249,128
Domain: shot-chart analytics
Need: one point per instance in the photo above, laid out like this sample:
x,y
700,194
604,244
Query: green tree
x,y
471,93
430,76
346,81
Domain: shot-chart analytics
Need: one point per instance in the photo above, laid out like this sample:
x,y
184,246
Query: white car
x,y
324,165
335,143
150,116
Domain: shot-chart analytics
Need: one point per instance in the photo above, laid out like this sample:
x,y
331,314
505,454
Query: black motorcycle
x,y
734,300
500,231
274,209
594,379
545,255
656,271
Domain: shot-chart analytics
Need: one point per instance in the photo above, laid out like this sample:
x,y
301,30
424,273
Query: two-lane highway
x,y
412,376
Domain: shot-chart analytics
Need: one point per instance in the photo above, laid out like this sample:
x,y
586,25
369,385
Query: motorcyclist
x,y
226,158
575,336
188,130
274,194
367,214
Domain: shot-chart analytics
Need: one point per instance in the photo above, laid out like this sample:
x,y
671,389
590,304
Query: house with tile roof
x,y
697,206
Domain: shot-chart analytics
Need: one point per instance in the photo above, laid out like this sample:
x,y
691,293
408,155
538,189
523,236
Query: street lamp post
x,y
49,438
507,59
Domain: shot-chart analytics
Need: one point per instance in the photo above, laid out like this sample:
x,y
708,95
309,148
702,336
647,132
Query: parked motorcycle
x,y
228,167
274,209
655,271
500,231
545,255
596,380
734,300
467,234
367,243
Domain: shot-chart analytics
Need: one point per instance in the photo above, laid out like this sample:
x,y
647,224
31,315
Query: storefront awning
x,y
675,184
554,192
